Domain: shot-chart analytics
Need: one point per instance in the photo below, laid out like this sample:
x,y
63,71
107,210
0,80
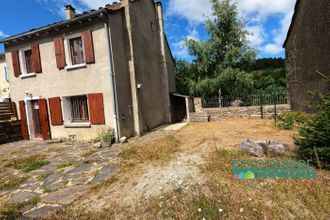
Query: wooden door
x,y
36,118
24,126
44,119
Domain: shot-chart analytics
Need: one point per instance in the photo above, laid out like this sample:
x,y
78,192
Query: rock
x,y
42,211
123,140
276,149
22,196
55,186
236,103
97,145
65,196
252,148
105,144
104,174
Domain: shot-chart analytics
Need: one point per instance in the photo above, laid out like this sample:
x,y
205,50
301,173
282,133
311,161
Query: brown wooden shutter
x,y
96,109
44,121
89,47
24,127
36,61
55,111
16,66
59,52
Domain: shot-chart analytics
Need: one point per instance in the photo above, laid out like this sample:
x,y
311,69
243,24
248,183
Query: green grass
x,y
64,164
28,164
28,167
44,176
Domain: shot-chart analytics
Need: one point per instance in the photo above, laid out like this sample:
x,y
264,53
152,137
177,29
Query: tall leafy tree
x,y
219,62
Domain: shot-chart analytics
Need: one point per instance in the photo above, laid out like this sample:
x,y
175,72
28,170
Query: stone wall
x,y
253,111
307,52
10,131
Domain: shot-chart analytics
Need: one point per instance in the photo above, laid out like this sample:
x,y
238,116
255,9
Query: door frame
x,y
29,115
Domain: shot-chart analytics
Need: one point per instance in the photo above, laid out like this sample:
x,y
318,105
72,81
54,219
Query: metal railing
x,y
245,101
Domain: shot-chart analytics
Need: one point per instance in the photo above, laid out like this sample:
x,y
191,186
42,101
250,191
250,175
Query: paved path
x,y
73,169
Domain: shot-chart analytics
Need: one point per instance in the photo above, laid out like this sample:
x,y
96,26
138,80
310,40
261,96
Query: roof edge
x,y
292,22
108,8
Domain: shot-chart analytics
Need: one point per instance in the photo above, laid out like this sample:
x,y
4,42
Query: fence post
x,y
275,107
262,105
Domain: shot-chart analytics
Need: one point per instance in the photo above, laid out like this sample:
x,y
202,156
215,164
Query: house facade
x,y
307,48
4,80
110,67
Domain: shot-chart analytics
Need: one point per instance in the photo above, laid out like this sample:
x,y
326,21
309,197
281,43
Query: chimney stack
x,y
70,12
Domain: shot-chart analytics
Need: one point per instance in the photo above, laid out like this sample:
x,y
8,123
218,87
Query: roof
x,y
180,95
65,23
292,22
2,57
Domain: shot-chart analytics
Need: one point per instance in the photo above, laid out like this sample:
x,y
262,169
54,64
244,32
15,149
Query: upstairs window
x,y
6,73
77,51
27,56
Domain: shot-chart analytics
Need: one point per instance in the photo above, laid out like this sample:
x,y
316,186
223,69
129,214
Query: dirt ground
x,y
139,192
186,174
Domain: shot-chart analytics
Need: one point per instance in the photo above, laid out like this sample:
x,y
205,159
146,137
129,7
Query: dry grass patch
x,y
161,150
11,182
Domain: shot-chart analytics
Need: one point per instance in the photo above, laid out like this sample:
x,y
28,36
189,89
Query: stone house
x,y
110,67
4,81
307,48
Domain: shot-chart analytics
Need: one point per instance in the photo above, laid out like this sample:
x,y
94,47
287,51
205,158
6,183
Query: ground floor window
x,y
79,109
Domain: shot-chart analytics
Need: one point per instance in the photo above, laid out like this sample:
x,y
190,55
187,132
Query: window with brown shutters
x,y
55,111
24,126
96,108
89,47
59,52
36,61
16,64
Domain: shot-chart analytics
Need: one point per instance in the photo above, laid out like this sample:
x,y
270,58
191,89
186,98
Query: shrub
x,y
105,136
314,136
289,120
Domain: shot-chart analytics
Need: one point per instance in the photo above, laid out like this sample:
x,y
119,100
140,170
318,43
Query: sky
x,y
267,20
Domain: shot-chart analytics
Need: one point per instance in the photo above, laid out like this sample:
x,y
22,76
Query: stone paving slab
x,y
64,196
42,210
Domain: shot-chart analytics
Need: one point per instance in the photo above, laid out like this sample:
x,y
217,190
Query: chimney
x,y
70,12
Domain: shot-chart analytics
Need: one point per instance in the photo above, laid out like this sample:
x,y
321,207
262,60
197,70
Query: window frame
x,y
67,49
22,62
6,75
67,113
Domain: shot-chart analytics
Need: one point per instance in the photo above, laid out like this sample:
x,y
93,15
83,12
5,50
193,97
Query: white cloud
x,y
272,49
257,35
94,4
3,35
192,10
255,12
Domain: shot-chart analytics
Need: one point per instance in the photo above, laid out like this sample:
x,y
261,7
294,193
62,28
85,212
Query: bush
x,y
314,136
105,136
289,120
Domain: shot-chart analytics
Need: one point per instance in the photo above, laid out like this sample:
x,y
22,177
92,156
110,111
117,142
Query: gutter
x,y
112,79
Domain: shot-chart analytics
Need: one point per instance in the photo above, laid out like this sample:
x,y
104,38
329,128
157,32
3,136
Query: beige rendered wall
x,y
120,48
147,57
4,85
53,82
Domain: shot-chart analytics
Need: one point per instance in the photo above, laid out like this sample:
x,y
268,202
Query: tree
x,y
314,136
219,62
